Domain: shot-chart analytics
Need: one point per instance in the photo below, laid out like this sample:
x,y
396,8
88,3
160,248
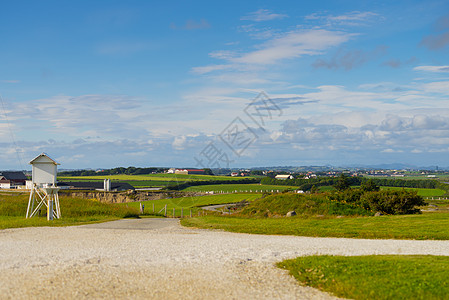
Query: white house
x,y
284,177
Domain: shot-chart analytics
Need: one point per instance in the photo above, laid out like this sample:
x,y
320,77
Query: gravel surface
x,y
157,258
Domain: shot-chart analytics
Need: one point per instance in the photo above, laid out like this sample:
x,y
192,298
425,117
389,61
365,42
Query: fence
x,y
181,212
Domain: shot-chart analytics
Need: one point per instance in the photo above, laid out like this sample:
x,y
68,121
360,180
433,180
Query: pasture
x,y
155,177
153,180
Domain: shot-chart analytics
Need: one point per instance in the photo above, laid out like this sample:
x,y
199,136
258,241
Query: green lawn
x,y
191,203
239,187
425,226
374,277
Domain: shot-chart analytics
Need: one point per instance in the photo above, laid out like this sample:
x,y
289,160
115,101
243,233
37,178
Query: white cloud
x,y
435,69
354,18
179,142
210,68
293,45
441,87
262,15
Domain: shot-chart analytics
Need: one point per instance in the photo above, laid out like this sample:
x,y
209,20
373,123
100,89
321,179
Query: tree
x,y
342,183
208,171
369,186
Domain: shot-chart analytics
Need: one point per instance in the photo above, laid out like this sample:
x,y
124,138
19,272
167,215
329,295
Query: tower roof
x,y
43,158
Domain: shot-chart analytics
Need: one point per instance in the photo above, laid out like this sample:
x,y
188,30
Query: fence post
x,y
165,210
174,212
153,208
182,212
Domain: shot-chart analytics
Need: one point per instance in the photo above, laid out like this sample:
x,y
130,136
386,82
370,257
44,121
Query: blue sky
x,y
100,84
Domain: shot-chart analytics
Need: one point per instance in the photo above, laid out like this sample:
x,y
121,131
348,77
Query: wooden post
x,y
49,208
174,212
153,208
182,212
165,210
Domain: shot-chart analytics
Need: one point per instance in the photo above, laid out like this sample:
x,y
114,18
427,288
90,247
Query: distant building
x,y
233,174
10,179
171,171
189,171
284,177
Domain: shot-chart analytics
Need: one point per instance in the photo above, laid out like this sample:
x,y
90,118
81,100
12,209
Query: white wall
x,y
44,173
5,185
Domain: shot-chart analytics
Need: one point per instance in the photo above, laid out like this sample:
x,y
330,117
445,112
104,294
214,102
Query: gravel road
x,y
157,258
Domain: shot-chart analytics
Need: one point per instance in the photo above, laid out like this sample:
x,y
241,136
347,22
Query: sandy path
x,y
151,258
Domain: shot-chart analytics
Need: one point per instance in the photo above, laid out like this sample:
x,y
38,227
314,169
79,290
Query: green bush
x,y
392,202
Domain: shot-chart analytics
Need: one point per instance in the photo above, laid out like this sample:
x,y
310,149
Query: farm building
x,y
284,177
10,179
189,171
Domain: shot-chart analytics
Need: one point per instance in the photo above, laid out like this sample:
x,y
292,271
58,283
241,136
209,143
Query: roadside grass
x,y
375,276
434,226
189,203
74,211
239,187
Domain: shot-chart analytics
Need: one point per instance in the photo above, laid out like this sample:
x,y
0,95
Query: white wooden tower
x,y
44,190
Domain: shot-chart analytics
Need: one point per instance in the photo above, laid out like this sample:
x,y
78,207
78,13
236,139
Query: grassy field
x,y
238,187
374,277
152,180
425,226
156,177
191,203
13,208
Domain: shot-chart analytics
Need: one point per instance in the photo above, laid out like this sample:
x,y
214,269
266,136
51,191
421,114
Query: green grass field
x,y
374,277
239,187
152,180
190,203
425,226
157,177
74,211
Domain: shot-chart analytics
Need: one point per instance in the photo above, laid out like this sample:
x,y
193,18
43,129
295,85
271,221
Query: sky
x,y
102,84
